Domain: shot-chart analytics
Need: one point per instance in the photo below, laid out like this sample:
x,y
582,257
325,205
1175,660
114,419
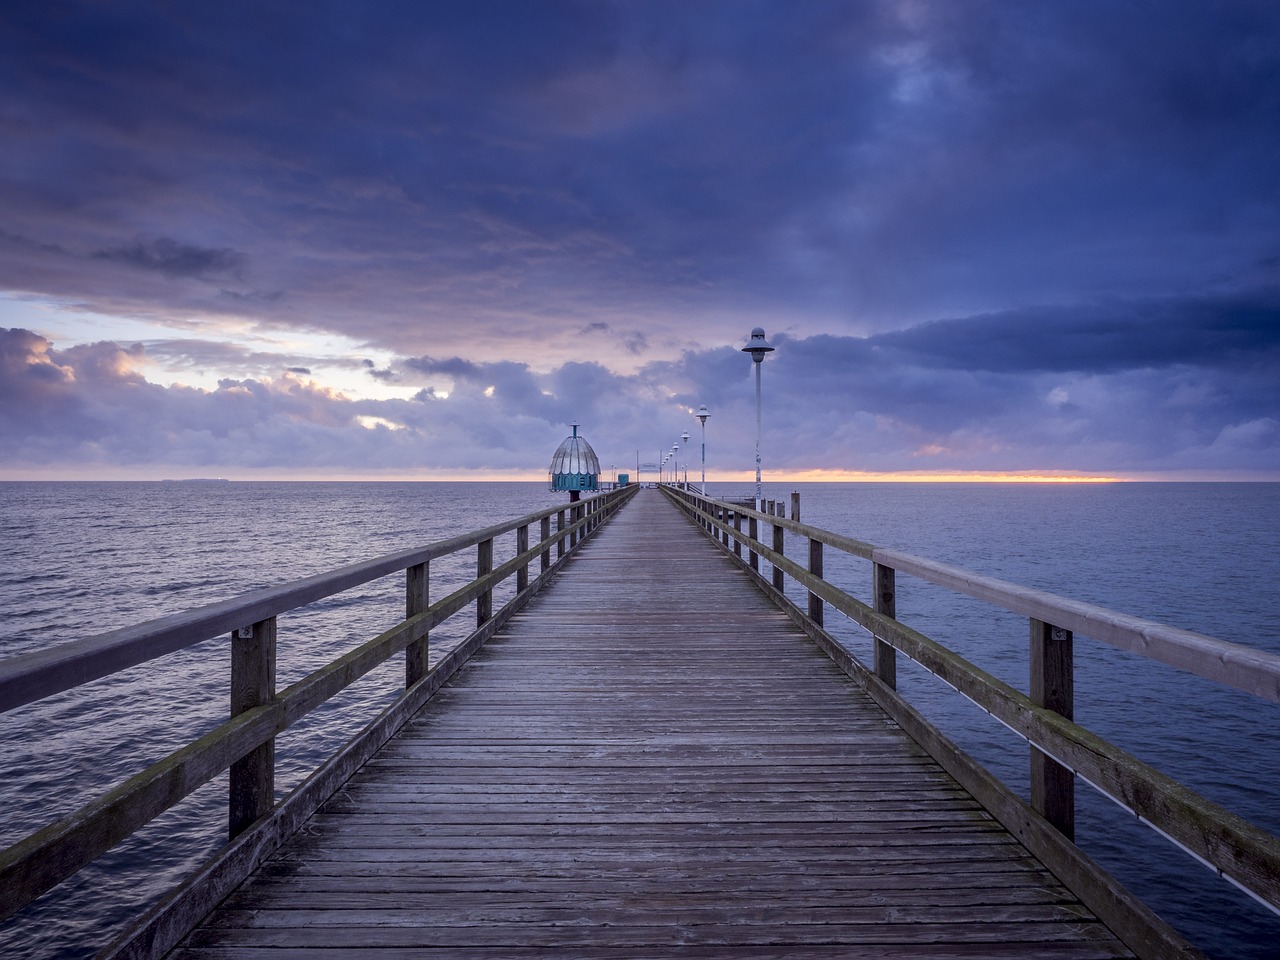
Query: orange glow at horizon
x,y
867,476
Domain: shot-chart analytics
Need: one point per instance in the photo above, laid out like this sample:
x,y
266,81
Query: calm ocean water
x,y
83,558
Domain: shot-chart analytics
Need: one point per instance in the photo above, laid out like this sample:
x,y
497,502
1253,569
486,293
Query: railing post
x,y
884,591
815,569
737,526
795,505
417,597
560,529
522,546
1053,786
252,792
753,531
779,545
484,566
544,530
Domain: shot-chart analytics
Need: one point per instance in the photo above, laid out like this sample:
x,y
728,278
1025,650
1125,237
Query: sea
x,y
83,558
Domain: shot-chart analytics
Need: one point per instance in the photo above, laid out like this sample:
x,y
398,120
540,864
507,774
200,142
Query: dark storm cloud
x,y
885,160
174,259
1202,332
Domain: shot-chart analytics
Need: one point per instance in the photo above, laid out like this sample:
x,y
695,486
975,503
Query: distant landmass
x,y
199,480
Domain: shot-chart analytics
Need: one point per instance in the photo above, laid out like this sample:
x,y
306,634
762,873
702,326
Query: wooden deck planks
x,y
651,761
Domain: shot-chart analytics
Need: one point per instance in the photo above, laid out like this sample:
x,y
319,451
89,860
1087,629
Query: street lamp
x,y
702,415
758,346
675,464
684,438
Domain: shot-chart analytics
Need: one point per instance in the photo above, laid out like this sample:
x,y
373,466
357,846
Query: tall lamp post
x,y
684,438
758,346
702,415
675,464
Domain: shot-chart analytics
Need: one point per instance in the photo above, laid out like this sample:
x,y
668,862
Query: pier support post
x,y
779,546
737,527
795,505
417,597
544,530
815,569
484,567
560,529
753,531
522,546
884,591
725,515
253,683
1053,786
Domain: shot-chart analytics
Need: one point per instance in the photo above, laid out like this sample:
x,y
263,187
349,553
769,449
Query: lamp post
x,y
675,464
684,438
702,415
757,346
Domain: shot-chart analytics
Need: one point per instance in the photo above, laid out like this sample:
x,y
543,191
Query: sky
x,y
409,240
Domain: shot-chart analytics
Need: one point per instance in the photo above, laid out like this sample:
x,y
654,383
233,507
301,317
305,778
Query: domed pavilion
x,y
575,466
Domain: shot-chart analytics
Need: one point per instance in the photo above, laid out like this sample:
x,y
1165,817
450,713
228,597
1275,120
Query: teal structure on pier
x,y
575,466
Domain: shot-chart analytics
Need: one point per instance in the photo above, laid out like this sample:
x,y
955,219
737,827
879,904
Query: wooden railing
x,y
245,743
1062,750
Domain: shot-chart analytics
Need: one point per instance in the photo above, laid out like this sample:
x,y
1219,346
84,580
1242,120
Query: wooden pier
x,y
648,751
652,760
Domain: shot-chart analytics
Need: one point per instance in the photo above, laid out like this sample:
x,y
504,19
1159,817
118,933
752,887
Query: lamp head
x,y
757,346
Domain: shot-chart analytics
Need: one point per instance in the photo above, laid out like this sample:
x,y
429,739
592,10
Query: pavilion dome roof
x,y
575,465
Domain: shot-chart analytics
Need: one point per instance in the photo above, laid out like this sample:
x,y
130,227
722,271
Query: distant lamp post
x,y
702,415
684,439
675,464
758,346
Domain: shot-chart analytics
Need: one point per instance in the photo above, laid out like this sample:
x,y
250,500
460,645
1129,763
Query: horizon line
x,y
144,474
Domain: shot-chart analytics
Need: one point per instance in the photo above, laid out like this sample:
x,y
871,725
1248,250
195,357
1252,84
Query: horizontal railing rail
x,y
1236,849
245,743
